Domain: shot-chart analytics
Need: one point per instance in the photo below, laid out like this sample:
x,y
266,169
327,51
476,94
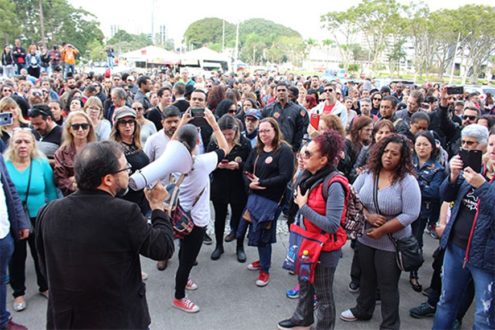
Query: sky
x,y
135,16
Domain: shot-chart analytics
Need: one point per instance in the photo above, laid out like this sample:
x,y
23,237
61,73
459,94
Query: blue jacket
x,y
17,217
480,252
430,177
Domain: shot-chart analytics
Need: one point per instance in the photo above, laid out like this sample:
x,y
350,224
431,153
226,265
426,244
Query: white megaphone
x,y
176,158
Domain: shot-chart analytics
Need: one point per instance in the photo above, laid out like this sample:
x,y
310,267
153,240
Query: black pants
x,y
378,270
418,229
355,269
190,246
323,287
221,215
17,266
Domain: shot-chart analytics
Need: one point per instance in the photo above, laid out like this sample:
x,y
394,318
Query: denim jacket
x,y
480,250
430,177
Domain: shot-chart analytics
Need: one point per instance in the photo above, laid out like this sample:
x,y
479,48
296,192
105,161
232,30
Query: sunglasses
x,y
7,91
126,122
329,90
469,117
138,108
232,111
76,127
377,98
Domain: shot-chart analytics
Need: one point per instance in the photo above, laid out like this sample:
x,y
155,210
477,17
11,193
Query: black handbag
x,y
408,255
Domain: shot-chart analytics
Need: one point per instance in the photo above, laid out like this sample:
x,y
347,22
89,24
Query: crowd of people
x,y
263,146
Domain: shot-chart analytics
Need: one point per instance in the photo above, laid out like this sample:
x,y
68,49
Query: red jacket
x,y
317,202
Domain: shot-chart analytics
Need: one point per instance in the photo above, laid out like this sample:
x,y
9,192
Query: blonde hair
x,y
8,102
10,152
94,101
115,134
67,136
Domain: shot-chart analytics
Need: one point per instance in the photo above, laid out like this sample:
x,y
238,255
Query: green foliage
x,y
9,23
354,67
260,40
63,23
122,41
208,32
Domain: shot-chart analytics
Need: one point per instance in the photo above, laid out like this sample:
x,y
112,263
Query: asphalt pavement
x,y
229,299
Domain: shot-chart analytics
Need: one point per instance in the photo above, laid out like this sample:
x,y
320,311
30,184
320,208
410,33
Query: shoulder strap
x,y
331,178
29,182
375,193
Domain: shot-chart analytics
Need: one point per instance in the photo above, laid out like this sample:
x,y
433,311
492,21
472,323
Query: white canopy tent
x,y
152,55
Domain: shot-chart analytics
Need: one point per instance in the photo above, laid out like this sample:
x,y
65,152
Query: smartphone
x,y
224,161
197,112
249,175
315,120
6,119
454,90
425,106
471,158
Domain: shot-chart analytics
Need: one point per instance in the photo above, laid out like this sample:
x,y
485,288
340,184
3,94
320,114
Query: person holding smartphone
x,y
468,237
228,186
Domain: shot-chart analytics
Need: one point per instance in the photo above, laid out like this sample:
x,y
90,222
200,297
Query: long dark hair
x,y
405,165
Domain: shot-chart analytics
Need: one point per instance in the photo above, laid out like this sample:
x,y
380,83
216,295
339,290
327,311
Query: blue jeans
x,y
455,279
69,68
6,250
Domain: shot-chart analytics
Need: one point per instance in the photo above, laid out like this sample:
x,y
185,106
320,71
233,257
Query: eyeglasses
x,y
127,168
37,93
76,127
468,143
138,108
469,117
307,154
126,122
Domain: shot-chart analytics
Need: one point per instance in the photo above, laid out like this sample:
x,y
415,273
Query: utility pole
x,y
223,35
453,59
42,24
236,51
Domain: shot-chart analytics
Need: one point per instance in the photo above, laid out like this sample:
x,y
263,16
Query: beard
x,y
121,192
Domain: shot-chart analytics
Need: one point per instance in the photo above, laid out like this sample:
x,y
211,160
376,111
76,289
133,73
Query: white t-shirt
x,y
197,180
155,145
4,214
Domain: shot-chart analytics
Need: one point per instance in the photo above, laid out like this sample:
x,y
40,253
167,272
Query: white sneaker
x,y
347,316
191,285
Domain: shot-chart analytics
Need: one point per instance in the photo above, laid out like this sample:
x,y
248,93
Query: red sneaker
x,y
185,305
263,279
11,325
255,265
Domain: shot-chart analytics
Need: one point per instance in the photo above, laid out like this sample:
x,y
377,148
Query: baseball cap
x,y
253,113
124,111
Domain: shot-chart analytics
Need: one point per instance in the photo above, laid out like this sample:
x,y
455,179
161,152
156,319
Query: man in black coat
x,y
89,245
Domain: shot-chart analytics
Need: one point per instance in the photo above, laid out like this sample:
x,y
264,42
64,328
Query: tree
x,y
122,41
62,23
343,28
9,24
208,32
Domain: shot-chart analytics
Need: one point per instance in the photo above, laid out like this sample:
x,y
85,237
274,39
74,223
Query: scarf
x,y
308,180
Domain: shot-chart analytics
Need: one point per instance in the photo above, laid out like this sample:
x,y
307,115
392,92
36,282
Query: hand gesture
x,y
156,196
299,198
456,166
473,178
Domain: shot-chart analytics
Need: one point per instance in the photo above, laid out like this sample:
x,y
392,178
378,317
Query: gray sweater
x,y
329,222
401,200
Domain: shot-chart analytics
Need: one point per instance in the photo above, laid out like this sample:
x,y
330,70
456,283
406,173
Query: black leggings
x,y
221,215
190,246
17,266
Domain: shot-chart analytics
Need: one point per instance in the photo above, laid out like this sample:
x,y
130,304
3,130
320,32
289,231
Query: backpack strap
x,y
335,176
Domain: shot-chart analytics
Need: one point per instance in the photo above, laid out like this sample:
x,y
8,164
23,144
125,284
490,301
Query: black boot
x,y
217,253
241,255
